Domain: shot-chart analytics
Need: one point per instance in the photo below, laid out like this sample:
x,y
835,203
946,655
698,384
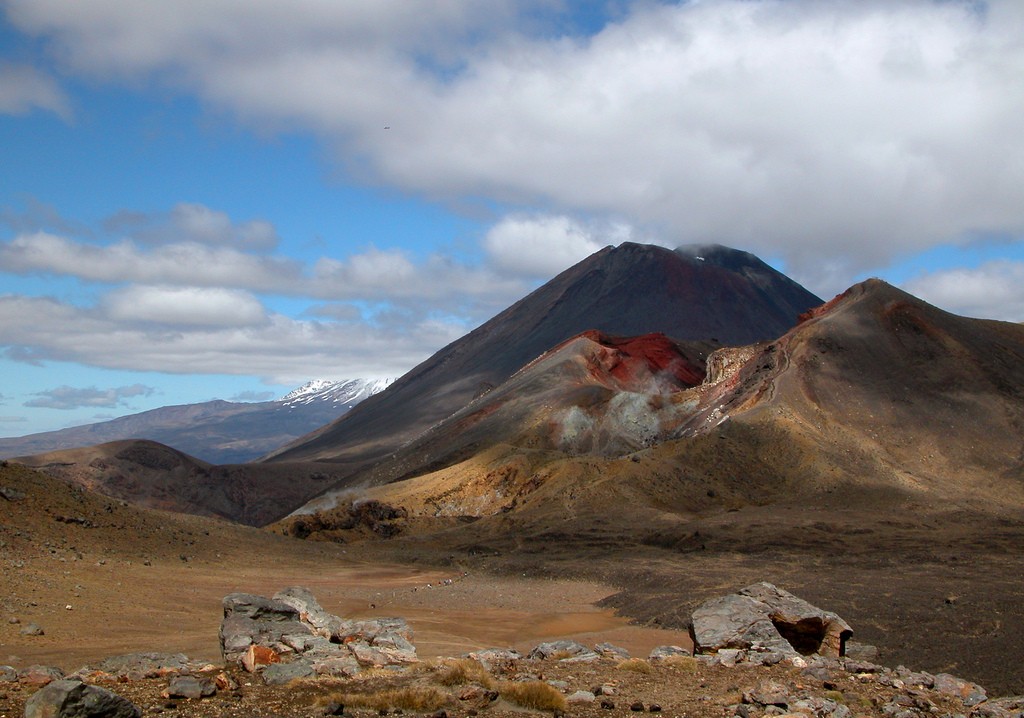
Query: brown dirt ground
x,y
139,580
936,592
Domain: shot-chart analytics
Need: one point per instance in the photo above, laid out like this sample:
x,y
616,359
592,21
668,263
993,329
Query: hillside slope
x,y
151,475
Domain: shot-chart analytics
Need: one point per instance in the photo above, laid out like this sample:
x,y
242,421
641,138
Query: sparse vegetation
x,y
460,671
687,664
536,695
420,699
636,665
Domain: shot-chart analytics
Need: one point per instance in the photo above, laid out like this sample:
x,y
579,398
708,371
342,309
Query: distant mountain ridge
x,y
346,391
218,432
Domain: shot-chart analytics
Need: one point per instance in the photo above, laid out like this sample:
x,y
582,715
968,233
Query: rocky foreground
x,y
759,652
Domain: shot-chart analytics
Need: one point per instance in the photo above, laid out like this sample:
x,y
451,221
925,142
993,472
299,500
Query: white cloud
x,y
189,222
185,306
67,397
186,263
202,224
24,88
843,133
281,350
994,290
543,246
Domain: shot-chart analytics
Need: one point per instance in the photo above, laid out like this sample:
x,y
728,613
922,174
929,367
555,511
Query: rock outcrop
x,y
767,619
291,636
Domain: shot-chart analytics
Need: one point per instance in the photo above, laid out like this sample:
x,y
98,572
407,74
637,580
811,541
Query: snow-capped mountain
x,y
345,391
220,432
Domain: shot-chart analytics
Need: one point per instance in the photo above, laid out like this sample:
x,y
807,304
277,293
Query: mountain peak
x,y
343,391
625,290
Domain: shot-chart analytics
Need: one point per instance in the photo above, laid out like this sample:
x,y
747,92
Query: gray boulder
x,y
764,618
609,650
74,699
270,634
563,651
190,687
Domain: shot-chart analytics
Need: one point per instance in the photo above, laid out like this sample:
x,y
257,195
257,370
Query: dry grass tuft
x,y
535,695
460,671
419,699
637,665
683,663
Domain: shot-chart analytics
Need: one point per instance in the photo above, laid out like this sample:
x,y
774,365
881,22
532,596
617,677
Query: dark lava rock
x,y
74,699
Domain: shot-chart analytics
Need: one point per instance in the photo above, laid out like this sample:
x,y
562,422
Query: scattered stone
x,y
11,494
729,657
189,687
662,652
581,697
608,704
8,674
74,699
637,707
611,651
563,651
39,675
135,666
970,693
14,620
224,682
334,709
654,708
767,694
32,629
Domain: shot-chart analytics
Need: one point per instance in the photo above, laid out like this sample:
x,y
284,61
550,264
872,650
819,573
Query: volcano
x,y
704,293
876,400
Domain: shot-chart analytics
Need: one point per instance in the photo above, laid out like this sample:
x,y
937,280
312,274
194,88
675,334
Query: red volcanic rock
x,y
634,361
258,656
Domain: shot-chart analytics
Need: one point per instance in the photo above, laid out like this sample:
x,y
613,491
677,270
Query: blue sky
x,y
210,199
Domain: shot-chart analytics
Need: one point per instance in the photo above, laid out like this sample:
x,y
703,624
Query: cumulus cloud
x,y
370,275
281,350
185,263
543,246
994,290
67,397
24,88
837,132
189,222
185,306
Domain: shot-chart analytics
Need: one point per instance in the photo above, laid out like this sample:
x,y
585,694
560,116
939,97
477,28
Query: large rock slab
x,y
74,699
763,617
292,627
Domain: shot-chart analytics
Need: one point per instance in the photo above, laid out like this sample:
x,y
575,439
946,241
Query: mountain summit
x,y
698,292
